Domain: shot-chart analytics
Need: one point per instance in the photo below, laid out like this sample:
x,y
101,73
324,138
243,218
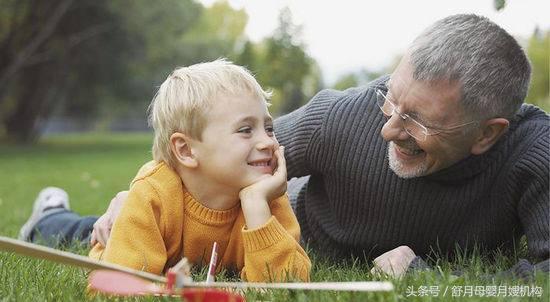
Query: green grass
x,y
93,167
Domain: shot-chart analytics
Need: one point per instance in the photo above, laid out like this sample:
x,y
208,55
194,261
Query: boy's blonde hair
x,y
181,103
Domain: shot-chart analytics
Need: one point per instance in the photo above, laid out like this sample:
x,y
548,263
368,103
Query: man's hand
x,y
395,262
103,225
255,198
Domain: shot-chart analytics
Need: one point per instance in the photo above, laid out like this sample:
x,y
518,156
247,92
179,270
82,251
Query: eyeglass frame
x,y
425,130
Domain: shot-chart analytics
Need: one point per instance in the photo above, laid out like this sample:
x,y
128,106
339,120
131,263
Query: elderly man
x,y
438,157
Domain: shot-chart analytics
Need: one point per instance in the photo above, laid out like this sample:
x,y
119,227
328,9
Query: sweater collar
x,y
464,169
206,215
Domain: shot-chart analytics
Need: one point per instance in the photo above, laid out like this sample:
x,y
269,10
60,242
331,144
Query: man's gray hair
x,y
487,61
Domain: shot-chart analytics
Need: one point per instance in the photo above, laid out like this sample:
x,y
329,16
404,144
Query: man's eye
x,y
269,129
245,130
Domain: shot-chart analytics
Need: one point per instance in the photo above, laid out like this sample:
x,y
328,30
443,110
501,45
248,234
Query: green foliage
x,y
346,81
281,64
539,55
217,33
100,59
499,4
360,78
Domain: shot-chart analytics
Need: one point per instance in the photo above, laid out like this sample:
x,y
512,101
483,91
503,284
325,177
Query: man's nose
x,y
393,129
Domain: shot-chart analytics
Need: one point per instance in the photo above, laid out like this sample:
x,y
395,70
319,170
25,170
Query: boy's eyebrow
x,y
253,119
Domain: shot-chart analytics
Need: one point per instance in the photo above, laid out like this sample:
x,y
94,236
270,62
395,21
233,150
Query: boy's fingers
x,y
281,161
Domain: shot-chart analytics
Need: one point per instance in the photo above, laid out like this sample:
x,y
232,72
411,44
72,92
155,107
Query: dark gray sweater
x,y
355,205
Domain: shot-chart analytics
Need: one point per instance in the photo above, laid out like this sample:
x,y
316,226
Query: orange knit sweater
x,y
161,222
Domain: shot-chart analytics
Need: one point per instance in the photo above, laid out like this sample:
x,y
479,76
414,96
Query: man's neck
x,y
211,195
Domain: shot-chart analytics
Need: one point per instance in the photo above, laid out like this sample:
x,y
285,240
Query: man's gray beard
x,y
397,167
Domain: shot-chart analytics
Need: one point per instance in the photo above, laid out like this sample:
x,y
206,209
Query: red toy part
x,y
122,284
209,295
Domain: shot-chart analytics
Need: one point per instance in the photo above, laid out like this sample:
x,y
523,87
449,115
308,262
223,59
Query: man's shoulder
x,y
352,92
532,114
530,124
530,141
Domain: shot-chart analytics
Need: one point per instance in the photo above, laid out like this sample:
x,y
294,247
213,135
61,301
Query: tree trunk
x,y
44,86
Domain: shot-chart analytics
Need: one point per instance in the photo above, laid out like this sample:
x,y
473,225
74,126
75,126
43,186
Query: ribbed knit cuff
x,y
523,269
270,233
418,264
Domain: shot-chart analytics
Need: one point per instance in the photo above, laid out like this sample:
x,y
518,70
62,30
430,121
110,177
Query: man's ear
x,y
181,148
491,131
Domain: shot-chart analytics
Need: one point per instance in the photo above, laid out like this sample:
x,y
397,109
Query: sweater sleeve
x,y
533,208
272,251
136,240
300,129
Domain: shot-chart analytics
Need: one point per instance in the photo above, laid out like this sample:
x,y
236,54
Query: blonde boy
x,y
218,175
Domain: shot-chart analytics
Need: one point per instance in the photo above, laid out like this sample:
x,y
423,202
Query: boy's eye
x,y
245,130
269,130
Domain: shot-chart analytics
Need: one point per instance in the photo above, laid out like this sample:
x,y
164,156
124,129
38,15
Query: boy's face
x,y
237,143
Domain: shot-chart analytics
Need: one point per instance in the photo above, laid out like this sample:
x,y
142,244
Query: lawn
x,y
93,167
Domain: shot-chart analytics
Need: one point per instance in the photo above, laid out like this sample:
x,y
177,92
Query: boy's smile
x,y
263,165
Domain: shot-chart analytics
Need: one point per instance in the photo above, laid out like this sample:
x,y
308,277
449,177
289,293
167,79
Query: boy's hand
x,y
255,197
103,225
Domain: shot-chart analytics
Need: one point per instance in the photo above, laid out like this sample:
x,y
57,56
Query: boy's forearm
x,y
256,211
272,254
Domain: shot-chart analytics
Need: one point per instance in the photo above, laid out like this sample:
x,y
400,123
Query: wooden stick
x,y
102,280
46,253
334,286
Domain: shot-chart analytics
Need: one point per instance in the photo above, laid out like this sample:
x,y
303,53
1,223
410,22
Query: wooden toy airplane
x,y
119,280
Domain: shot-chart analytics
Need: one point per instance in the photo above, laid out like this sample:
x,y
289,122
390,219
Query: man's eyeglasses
x,y
411,126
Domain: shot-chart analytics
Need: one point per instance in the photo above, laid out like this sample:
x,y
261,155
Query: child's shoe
x,y
49,198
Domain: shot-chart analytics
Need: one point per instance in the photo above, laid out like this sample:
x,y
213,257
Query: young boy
x,y
218,175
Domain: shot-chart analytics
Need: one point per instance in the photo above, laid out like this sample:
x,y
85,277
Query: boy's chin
x,y
256,178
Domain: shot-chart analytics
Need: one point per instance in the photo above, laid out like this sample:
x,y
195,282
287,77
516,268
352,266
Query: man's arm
x,y
299,130
103,225
533,174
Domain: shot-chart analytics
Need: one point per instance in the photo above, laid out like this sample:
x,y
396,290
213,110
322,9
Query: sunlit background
x,y
71,66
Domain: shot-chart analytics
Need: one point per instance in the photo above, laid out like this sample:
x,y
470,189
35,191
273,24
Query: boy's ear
x,y
181,148
491,131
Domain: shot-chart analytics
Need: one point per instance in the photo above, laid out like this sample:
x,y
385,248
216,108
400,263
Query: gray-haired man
x,y
460,161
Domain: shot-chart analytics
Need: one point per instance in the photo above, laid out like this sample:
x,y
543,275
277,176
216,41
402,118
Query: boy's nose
x,y
267,142
393,129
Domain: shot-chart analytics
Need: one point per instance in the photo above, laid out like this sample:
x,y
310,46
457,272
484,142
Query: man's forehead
x,y
430,101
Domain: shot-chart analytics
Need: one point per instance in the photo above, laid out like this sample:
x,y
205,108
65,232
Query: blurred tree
x,y
499,4
247,57
100,58
539,55
217,33
284,65
360,78
346,81
38,53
